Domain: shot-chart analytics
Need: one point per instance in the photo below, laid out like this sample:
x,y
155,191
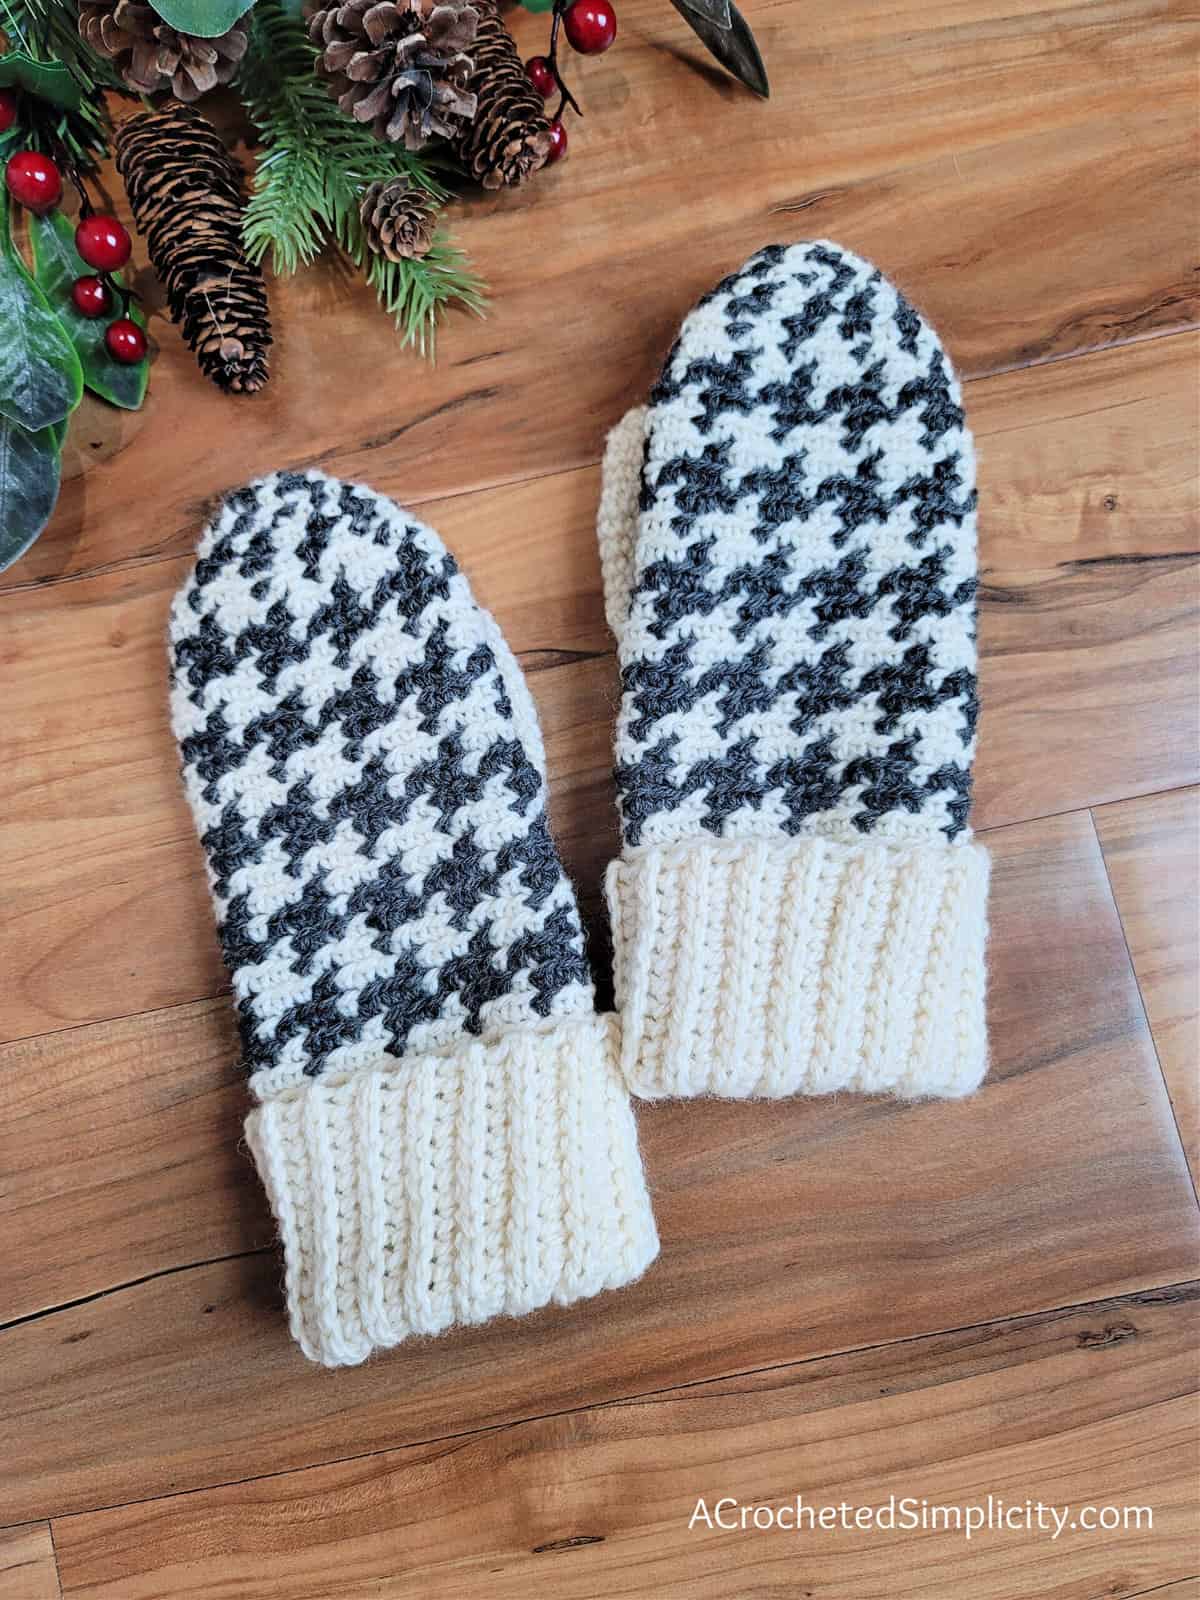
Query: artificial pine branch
x,y
46,31
312,173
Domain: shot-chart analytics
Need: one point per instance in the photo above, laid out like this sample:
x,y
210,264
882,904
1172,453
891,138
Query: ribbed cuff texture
x,y
453,1188
775,967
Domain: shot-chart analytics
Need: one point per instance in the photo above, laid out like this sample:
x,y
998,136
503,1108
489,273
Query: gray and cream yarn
x,y
441,1127
788,541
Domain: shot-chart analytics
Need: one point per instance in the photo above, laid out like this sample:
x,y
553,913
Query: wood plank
x,y
1087,633
1152,851
121,1155
1090,1407
1061,1182
27,1569
1023,171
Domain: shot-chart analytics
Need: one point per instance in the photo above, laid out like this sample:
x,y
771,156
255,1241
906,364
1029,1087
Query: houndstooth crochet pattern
x,y
788,541
441,1127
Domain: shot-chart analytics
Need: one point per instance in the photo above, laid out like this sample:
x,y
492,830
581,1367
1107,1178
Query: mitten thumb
x,y
616,520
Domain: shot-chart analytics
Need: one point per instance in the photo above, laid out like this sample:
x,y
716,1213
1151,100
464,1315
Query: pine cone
x,y
151,55
398,219
399,66
186,193
510,137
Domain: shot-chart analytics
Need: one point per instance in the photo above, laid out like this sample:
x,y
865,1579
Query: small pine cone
x,y
186,193
399,65
398,219
510,137
150,55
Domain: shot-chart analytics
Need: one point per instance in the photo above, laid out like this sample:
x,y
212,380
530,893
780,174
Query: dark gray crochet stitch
x,y
367,776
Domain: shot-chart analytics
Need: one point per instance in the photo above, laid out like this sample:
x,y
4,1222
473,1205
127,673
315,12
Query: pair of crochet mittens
x,y
442,1120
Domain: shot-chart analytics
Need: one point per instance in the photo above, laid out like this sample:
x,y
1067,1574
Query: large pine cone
x,y
399,67
150,55
509,138
398,219
186,193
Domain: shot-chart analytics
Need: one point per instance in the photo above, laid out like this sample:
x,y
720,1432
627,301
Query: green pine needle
x,y
311,176
47,30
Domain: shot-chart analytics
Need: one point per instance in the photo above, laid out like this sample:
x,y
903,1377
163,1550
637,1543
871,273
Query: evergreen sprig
x,y
311,175
46,32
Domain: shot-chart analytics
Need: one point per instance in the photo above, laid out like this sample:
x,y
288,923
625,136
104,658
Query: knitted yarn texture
x,y
441,1126
787,535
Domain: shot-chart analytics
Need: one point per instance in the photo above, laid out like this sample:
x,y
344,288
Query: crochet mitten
x,y
787,535
441,1125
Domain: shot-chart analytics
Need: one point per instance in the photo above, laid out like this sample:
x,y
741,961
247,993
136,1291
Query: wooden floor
x,y
854,1299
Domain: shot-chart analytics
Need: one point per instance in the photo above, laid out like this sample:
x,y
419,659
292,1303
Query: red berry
x,y
8,109
33,180
102,242
92,297
558,142
591,26
541,75
125,341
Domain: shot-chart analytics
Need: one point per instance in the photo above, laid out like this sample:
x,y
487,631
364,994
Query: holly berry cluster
x,y
590,27
35,181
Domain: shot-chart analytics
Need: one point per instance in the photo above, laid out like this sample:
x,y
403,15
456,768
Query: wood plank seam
x,y
1133,968
54,1556
1141,999
1180,1293
133,1283
424,503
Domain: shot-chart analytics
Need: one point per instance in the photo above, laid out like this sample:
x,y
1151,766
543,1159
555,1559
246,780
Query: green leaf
x,y
57,264
29,470
48,80
206,18
41,380
538,5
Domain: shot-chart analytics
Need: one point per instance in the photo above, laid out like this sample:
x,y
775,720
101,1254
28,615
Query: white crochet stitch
x,y
441,1126
787,537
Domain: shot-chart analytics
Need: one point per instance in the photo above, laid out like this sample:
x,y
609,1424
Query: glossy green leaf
x,y
41,380
48,80
538,5
207,18
57,264
29,472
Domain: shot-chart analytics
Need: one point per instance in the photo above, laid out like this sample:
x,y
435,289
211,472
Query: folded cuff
x,y
774,967
452,1188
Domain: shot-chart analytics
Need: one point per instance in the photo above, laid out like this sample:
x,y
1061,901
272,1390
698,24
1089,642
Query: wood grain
x,y
1152,851
1092,1406
1061,1182
27,1569
122,1156
1024,172
1089,658
1090,581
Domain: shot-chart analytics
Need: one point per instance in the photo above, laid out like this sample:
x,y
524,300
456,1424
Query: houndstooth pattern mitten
x,y
441,1126
787,535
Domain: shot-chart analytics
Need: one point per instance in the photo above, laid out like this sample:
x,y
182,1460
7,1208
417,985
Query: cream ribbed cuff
x,y
452,1188
762,967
